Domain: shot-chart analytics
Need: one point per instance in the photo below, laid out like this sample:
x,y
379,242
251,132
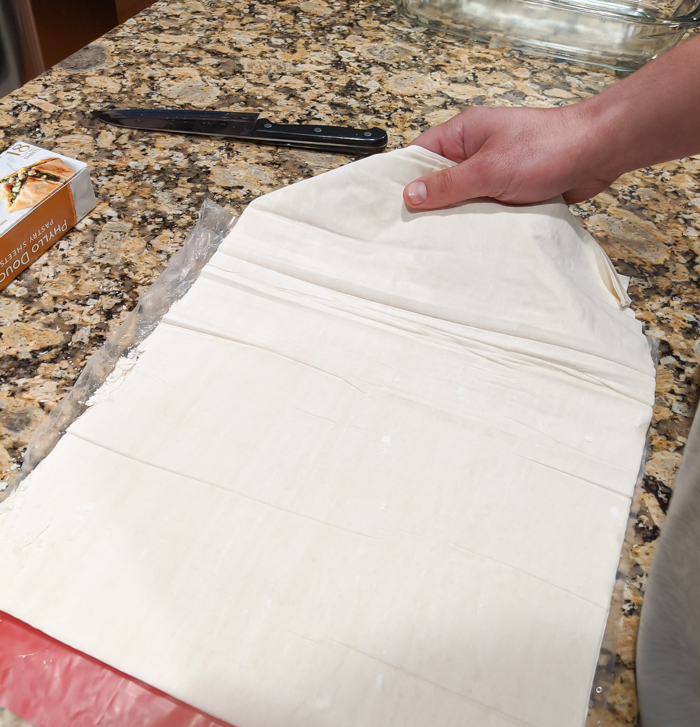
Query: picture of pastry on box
x,y
29,185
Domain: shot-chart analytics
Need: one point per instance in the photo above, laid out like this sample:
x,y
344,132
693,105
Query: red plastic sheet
x,y
52,685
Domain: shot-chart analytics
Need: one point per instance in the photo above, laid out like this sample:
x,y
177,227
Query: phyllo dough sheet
x,y
374,469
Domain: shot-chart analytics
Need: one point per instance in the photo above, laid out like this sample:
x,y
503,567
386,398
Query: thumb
x,y
448,186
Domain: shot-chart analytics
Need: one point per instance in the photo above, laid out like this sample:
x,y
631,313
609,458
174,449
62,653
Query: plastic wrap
x,y
41,679
67,669
213,224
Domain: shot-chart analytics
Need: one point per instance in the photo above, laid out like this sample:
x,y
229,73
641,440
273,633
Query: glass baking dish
x,y
618,34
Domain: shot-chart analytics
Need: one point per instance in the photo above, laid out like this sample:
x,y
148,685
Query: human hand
x,y
515,155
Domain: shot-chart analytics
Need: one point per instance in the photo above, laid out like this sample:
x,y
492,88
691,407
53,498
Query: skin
x,y
523,156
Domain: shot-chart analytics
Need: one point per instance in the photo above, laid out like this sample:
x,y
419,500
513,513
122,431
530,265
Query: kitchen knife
x,y
250,127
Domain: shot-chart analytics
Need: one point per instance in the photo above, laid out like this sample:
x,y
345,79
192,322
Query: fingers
x,y
519,156
448,186
458,139
455,139
434,140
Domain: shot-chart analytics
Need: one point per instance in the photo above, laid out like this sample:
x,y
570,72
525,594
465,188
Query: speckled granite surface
x,y
345,63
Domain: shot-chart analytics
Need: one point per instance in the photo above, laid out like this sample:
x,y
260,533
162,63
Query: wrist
x,y
604,148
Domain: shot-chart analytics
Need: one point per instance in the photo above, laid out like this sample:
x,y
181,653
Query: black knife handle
x,y
323,138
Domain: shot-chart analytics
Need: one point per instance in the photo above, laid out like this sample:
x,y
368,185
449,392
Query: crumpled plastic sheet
x,y
41,679
52,685
213,224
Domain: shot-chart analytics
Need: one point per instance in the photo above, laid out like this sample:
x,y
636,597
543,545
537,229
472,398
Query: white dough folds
x,y
373,470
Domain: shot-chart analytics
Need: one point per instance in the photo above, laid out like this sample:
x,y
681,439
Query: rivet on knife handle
x,y
365,141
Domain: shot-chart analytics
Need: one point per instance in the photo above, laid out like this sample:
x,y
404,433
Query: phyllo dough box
x,y
42,195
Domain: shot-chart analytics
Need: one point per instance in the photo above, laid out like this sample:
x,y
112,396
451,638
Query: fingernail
x,y
417,192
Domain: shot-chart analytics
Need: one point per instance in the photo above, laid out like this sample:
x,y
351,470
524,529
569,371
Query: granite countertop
x,y
342,63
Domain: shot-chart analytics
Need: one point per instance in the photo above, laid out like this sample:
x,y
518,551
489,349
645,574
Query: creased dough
x,y
373,470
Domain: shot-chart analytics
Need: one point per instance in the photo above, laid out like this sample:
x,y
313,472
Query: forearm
x,y
523,155
649,117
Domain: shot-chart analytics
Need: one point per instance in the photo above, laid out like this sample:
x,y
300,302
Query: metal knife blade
x,y
248,126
